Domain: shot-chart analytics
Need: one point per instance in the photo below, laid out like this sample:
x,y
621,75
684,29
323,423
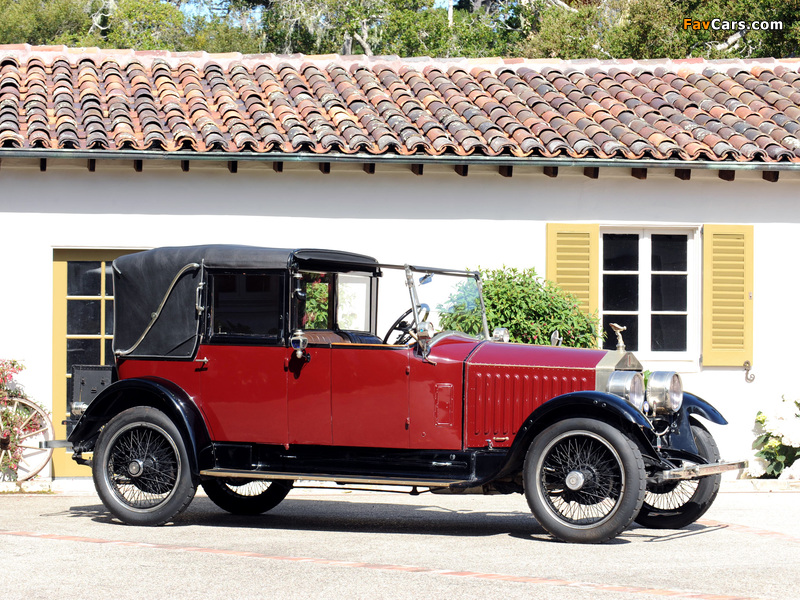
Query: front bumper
x,y
695,471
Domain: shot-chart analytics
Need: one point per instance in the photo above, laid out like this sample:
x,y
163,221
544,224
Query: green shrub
x,y
530,307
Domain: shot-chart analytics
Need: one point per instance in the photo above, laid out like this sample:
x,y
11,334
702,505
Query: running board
x,y
699,471
365,480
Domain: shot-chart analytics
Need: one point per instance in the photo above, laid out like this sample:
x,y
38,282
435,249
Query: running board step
x,y
362,479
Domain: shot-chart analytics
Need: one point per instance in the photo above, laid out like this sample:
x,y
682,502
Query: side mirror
x,y
555,338
299,343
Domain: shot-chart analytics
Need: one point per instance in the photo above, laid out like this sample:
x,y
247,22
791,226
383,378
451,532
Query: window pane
x,y
669,292
630,336
109,317
109,353
669,253
620,252
82,352
620,292
353,302
317,309
109,280
246,304
83,278
668,332
83,317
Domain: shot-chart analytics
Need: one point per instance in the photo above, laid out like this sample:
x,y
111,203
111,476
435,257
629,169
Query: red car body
x,y
222,361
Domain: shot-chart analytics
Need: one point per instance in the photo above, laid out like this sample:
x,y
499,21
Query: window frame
x,y
694,280
237,339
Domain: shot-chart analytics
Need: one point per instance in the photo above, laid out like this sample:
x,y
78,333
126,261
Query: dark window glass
x,y
669,253
630,336
83,317
668,332
83,278
246,304
109,280
620,292
82,352
669,292
620,252
109,317
109,353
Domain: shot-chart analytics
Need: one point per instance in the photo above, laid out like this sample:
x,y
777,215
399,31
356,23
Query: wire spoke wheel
x,y
246,496
143,466
676,504
23,425
584,480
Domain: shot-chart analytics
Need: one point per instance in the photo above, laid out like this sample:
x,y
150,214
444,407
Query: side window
x,y
319,301
353,302
246,305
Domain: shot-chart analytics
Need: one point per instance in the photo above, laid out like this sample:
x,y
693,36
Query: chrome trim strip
x,y
699,471
234,473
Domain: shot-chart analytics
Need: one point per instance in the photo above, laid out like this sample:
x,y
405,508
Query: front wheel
x,y
141,468
246,497
676,504
584,480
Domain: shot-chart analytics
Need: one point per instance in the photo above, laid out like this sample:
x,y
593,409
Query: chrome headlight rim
x,y
629,385
665,392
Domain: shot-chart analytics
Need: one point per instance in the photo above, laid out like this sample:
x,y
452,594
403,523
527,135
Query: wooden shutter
x,y
727,295
573,260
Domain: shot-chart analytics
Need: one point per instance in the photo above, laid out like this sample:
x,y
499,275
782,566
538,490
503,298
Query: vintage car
x,y
245,369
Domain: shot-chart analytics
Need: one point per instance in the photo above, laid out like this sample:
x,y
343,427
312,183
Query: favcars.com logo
x,y
723,25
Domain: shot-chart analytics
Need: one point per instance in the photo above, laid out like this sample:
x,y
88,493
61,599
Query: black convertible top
x,y
155,291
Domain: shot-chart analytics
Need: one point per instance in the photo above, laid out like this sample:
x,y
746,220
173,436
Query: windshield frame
x,y
411,283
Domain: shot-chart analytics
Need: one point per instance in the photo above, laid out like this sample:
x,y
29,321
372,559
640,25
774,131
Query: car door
x,y
369,395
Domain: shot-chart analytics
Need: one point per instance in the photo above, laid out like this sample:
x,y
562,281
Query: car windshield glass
x,y
454,302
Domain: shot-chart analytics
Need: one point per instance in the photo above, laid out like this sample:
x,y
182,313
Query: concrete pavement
x,y
338,544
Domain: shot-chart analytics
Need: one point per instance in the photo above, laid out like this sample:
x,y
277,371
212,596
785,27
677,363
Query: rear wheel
x,y
246,497
676,504
584,480
141,468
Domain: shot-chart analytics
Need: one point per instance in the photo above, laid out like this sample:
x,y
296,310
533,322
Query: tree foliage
x,y
528,306
566,29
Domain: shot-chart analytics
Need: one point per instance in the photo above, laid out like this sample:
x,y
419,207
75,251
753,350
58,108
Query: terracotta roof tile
x,y
57,97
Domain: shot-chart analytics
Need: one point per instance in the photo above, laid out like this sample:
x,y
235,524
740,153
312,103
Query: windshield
x,y
448,300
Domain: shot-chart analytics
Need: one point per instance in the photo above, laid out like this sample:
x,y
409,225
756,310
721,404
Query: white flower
x,y
783,422
756,467
792,472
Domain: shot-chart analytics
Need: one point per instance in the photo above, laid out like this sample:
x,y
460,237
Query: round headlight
x,y
665,392
628,385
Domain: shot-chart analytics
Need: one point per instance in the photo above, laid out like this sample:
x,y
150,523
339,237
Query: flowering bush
x,y
777,445
17,420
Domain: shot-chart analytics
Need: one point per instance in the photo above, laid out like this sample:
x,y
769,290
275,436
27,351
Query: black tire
x,y
246,496
141,468
584,480
676,504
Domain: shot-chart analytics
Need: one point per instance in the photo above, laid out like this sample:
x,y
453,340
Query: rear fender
x,y
590,404
147,391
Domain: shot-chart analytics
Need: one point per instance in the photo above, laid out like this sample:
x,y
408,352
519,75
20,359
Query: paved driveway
x,y
335,544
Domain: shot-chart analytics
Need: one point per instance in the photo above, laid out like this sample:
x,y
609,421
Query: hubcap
x,y
135,468
575,480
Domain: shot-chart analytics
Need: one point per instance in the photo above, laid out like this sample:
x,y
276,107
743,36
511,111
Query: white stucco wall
x,y
439,218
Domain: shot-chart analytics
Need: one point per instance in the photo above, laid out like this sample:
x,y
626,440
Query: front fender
x,y
147,391
590,404
681,438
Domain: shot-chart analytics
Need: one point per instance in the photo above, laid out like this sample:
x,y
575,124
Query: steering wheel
x,y
400,325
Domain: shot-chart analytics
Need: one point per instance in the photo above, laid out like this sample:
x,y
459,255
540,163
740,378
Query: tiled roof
x,y
60,98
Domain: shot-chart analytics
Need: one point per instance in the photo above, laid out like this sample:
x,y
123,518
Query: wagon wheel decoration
x,y
23,424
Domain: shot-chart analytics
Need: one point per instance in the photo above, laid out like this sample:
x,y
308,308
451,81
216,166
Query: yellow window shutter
x,y
573,261
727,295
